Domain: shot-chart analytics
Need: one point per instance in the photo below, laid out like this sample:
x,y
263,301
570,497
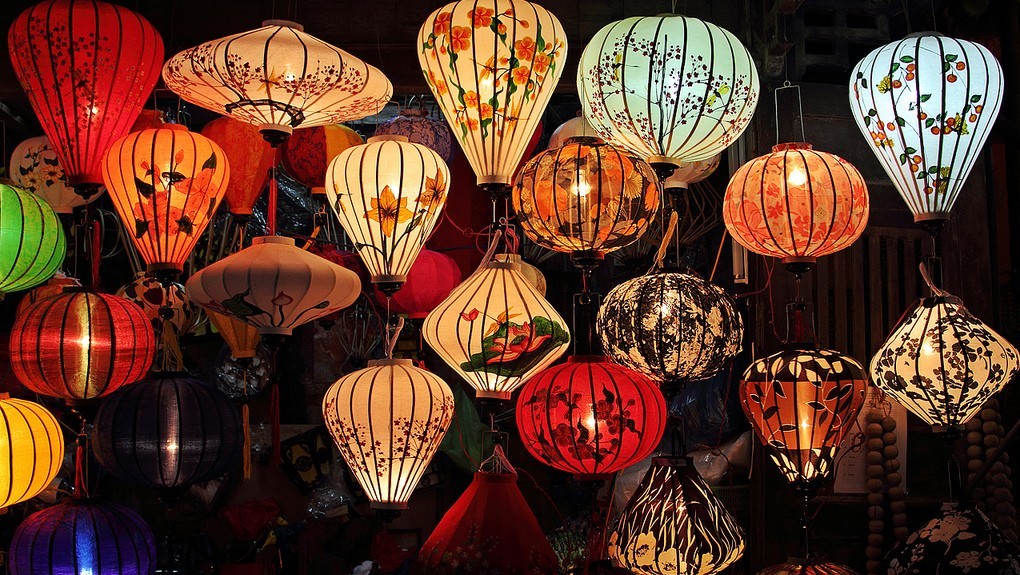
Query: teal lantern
x,y
32,243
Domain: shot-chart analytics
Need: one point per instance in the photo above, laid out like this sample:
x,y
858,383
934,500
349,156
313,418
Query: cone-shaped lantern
x,y
388,195
957,541
250,158
926,105
242,338
166,184
32,242
31,449
492,66
387,421
35,167
668,88
87,68
307,153
496,330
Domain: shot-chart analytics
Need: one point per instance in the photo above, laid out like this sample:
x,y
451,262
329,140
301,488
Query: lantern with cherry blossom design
x,y
35,167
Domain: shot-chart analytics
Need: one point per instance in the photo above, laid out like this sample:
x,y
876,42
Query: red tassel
x,y
274,415
79,465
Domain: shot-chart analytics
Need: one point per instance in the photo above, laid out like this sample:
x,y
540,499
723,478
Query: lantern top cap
x,y
924,33
272,240
385,362
505,262
585,140
387,137
588,359
785,146
283,24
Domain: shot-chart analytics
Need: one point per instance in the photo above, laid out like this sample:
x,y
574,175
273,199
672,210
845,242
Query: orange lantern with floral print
x,y
250,157
307,153
165,184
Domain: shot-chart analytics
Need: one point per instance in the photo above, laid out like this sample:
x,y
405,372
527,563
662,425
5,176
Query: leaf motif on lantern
x,y
511,349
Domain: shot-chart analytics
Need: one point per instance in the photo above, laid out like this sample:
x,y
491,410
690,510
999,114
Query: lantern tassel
x,y
246,425
81,441
173,357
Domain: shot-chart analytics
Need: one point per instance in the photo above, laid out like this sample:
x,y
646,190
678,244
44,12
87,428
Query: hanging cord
x,y
80,461
929,279
498,463
246,426
667,238
489,253
393,333
800,109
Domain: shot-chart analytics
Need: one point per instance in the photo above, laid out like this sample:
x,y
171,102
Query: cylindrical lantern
x,y
492,66
797,204
81,345
671,326
942,363
161,303
87,68
926,104
166,184
274,286
802,403
387,421
430,280
32,242
418,127
675,525
250,158
55,286
388,195
83,537
308,153
279,78
572,128
688,173
959,540
242,338
496,330
668,88
810,566
35,167
590,417
586,198
31,449
169,431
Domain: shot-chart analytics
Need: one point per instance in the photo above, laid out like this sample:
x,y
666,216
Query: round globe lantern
x,y
31,451
32,242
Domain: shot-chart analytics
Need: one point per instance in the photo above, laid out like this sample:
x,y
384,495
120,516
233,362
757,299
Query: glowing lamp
x,y
32,242
430,280
250,158
35,167
31,451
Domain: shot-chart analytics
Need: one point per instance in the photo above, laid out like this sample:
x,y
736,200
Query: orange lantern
x,y
242,338
307,153
250,158
165,184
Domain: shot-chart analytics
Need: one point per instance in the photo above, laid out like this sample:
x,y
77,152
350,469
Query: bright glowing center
x,y
797,178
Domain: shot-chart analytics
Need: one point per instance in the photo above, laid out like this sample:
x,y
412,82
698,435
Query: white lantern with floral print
x,y
927,104
492,66
34,167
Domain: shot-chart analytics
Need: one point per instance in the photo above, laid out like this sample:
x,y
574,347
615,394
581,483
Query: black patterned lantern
x,y
168,431
957,541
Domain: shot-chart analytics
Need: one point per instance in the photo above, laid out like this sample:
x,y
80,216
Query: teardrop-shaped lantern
x,y
797,204
166,184
307,153
87,69
671,326
278,78
418,127
675,525
668,88
586,198
942,363
250,158
387,421
495,330
32,242
81,345
274,285
926,105
590,417
492,66
388,195
802,403
31,449
35,167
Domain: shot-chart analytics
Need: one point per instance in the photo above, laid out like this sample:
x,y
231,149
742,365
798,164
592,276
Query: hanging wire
x,y
800,108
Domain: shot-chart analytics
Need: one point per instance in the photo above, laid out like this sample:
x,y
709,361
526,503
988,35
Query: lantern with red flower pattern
x,y
307,153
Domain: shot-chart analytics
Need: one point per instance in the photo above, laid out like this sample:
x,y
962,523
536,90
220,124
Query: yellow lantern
x,y
31,449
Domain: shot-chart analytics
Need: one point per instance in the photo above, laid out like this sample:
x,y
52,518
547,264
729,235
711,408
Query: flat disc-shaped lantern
x,y
274,286
675,525
942,363
35,167
802,403
797,204
590,417
165,184
496,330
87,69
926,104
388,195
81,345
387,421
32,242
668,88
250,158
31,449
82,537
671,326
169,431
418,127
430,280
279,78
307,153
586,198
492,66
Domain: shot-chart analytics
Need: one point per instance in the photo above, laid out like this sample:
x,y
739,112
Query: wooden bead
x,y
873,553
1003,494
888,424
991,441
873,430
876,526
973,425
975,451
875,539
891,452
875,512
900,533
874,566
874,416
892,465
974,465
889,438
876,498
975,438
874,485
898,506
894,478
990,427
896,493
874,471
1003,507
875,457
899,520
988,414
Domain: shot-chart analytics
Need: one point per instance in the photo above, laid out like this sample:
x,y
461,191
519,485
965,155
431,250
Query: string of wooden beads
x,y
874,459
895,491
999,485
975,453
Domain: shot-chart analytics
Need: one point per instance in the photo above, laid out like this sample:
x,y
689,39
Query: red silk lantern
x,y
87,68
308,152
590,417
432,277
81,345
250,157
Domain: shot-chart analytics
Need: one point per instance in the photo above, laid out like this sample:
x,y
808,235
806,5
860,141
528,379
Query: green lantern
x,y
32,243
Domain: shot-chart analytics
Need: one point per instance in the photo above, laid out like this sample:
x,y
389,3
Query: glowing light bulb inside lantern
x,y
581,189
927,348
797,177
806,431
590,422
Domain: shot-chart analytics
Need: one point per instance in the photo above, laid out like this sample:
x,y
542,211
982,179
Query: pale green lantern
x,y
32,242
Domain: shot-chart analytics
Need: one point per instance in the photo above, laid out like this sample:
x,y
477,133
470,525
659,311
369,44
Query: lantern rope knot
x,y
498,462
926,274
667,237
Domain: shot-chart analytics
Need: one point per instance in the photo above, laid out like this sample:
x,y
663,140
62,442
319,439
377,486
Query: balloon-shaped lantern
x,y
250,158
307,153
31,449
492,67
430,280
35,167
166,184
590,417
388,195
926,105
668,88
418,127
387,421
32,242
278,78
87,69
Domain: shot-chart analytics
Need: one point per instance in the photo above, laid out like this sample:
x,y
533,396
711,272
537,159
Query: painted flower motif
x,y
519,340
524,49
485,111
521,74
469,316
442,23
388,211
471,99
434,193
460,38
541,62
644,549
481,17
282,299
